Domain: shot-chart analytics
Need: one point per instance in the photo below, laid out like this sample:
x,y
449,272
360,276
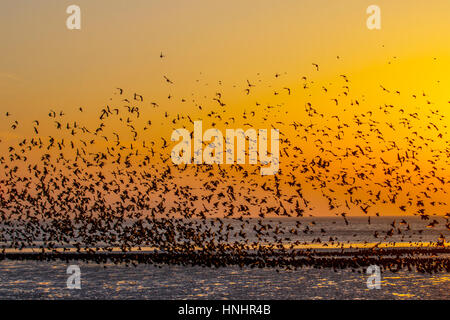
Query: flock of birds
x,y
108,189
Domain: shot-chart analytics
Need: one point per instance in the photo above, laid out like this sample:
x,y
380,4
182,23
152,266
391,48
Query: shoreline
x,y
424,260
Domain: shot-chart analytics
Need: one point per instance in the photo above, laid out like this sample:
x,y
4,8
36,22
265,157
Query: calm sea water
x,y
47,280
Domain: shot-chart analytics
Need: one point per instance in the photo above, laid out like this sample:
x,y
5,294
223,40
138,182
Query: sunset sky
x,y
44,64
218,45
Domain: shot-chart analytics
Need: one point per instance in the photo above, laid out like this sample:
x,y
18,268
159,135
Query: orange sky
x,y
46,66
43,64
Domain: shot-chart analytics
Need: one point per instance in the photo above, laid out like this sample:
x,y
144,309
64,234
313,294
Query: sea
x,y
48,280
30,279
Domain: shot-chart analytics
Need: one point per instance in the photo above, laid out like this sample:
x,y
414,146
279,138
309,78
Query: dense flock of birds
x,y
108,189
